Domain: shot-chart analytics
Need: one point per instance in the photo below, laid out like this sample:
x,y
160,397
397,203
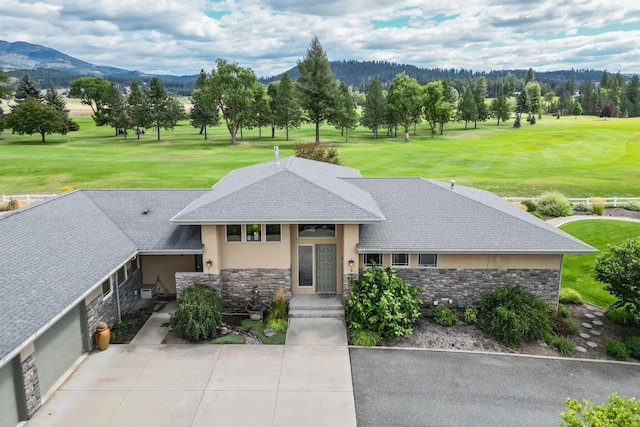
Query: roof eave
x,y
276,221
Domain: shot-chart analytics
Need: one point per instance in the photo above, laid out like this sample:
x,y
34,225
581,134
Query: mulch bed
x,y
135,320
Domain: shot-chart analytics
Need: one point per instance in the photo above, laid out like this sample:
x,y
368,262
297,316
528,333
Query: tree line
x,y
234,95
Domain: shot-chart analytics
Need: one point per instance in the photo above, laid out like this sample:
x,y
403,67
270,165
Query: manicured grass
x,y
256,328
229,339
580,157
577,270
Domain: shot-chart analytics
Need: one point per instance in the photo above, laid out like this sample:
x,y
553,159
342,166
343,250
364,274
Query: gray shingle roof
x,y
296,190
428,216
51,254
151,231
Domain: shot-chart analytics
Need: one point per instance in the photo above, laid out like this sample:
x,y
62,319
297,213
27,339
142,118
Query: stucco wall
x,y
165,268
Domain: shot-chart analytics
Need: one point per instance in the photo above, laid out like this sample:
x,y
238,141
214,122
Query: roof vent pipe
x,y
276,155
453,184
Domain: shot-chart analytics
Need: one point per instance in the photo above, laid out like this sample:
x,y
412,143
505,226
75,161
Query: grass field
x,y
577,270
580,157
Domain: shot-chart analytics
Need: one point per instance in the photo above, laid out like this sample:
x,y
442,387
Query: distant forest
x,y
358,75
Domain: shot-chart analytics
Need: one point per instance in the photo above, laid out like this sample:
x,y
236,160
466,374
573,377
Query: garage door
x,y
58,349
8,402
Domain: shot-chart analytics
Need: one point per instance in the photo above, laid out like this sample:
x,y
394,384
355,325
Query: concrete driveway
x,y
431,388
306,382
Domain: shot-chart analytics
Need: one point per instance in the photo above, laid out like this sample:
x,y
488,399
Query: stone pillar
x,y
30,381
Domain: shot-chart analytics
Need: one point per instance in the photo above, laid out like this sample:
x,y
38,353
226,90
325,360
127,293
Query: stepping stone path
x,y
585,336
597,323
592,344
591,321
581,349
598,313
589,315
587,325
596,333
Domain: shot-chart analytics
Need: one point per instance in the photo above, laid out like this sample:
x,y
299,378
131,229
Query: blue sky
x,y
184,36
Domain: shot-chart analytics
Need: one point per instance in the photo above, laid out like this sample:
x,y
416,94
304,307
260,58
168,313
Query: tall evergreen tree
x,y
467,108
633,96
57,101
287,110
374,108
480,96
164,110
500,107
5,90
522,106
535,98
260,112
26,88
138,108
344,115
530,77
317,85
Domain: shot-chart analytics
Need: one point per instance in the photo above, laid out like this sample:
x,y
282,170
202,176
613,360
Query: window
x,y
305,265
274,232
370,259
122,274
132,265
254,232
234,233
106,288
400,260
428,260
316,230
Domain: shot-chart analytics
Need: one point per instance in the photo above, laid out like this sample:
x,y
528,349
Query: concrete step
x,y
336,313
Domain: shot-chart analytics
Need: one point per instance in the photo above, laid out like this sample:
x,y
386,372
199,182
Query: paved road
x,y
431,388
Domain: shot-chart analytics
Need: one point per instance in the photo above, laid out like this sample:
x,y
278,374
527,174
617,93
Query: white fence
x,y
608,201
26,198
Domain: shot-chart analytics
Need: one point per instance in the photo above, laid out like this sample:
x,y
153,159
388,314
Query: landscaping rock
x,y
268,332
592,344
596,333
587,325
597,323
581,349
598,313
585,336
589,315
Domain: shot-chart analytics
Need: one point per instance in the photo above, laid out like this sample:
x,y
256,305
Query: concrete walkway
x,y
563,220
306,382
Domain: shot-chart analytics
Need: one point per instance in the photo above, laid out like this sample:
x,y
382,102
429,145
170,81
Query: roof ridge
x,y
109,218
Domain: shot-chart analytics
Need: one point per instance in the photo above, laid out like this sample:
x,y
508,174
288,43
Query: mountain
x,y
23,56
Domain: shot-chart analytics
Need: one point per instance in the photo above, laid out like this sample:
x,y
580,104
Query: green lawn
x,y
577,270
580,157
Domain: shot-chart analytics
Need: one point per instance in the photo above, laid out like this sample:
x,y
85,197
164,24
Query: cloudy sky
x,y
184,36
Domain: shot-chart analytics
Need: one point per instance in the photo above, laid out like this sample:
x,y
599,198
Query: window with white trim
x,y
273,232
253,232
107,287
370,259
428,260
234,233
400,260
122,274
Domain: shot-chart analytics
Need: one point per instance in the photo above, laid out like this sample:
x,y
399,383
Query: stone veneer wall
x,y
31,384
469,284
100,310
234,285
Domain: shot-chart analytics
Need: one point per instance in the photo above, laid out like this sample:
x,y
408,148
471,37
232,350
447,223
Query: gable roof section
x,y
428,216
296,190
52,254
152,231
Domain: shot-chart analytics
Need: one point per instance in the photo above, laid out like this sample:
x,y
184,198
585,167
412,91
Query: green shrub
x,y
277,316
617,349
112,336
554,204
620,315
471,315
444,316
73,126
597,205
199,313
564,346
531,206
633,346
120,326
618,411
365,338
581,207
633,205
381,302
562,311
568,295
512,315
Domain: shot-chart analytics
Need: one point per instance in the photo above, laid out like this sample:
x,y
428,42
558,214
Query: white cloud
x,y
183,36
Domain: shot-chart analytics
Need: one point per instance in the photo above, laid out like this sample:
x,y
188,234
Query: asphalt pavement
x,y
397,388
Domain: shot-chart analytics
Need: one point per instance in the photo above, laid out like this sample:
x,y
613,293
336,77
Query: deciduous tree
x,y
138,108
317,85
99,94
479,96
619,268
500,108
31,116
204,110
433,98
405,97
467,108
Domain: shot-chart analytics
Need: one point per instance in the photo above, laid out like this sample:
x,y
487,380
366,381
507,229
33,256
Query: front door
x,y
326,268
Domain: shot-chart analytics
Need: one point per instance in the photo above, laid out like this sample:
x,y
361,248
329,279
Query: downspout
x,y
118,298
